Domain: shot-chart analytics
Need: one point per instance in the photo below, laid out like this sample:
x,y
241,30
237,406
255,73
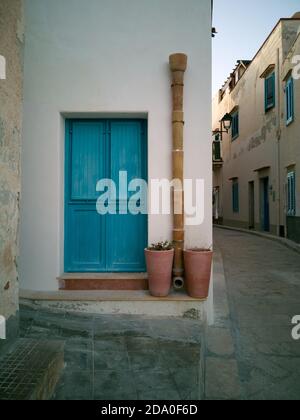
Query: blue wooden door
x,y
98,150
265,204
266,222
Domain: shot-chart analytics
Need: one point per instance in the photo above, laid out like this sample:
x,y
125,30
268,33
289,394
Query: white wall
x,y
107,56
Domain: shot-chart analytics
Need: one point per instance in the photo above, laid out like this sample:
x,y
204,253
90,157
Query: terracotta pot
x,y
197,266
159,268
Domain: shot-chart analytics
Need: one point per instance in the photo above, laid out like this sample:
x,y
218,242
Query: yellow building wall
x,y
290,141
257,152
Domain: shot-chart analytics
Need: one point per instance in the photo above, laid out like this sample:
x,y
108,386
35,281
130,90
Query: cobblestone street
x,y
263,290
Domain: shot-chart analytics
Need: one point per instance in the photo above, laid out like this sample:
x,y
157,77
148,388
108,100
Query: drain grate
x,y
31,370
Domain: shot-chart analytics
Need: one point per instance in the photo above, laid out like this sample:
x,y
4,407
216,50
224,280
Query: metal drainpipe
x,y
178,65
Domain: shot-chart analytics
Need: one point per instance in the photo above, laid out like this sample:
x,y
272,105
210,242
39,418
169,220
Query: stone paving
x,y
250,350
123,357
248,353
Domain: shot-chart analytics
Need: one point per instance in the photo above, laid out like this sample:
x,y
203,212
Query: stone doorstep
x,y
137,302
103,281
105,295
31,369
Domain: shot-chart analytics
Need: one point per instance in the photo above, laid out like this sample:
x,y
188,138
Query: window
x,y
217,150
289,99
235,125
270,92
235,196
291,194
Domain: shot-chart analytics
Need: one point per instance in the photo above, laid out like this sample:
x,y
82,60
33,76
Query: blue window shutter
x,y
287,94
266,95
273,88
292,97
293,187
291,194
289,100
235,125
270,92
288,195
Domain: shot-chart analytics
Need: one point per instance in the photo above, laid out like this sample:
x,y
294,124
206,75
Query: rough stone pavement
x,y
250,351
112,357
248,354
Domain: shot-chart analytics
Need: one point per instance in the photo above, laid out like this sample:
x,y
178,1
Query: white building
x,y
99,70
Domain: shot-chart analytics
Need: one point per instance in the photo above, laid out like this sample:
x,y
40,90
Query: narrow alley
x,y
262,280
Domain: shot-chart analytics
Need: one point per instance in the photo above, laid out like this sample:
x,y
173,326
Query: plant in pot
x,y
197,265
159,259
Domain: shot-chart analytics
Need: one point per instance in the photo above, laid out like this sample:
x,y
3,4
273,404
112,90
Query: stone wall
x,y
11,48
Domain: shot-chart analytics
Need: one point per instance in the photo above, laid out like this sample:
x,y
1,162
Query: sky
x,y
242,28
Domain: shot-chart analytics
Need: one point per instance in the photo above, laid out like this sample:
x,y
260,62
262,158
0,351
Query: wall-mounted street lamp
x,y
225,126
226,123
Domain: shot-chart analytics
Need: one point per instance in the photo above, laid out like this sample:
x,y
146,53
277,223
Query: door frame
x,y
67,180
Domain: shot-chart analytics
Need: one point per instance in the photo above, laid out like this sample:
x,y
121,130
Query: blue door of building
x,y
95,150
265,204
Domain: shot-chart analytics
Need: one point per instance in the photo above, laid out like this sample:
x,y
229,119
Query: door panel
x,y
127,233
87,239
127,241
126,151
87,160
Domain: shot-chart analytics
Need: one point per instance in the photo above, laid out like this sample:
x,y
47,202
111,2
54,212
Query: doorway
x,y
95,150
265,204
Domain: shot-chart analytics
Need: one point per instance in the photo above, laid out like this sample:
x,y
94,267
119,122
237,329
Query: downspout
x,y
278,141
178,64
